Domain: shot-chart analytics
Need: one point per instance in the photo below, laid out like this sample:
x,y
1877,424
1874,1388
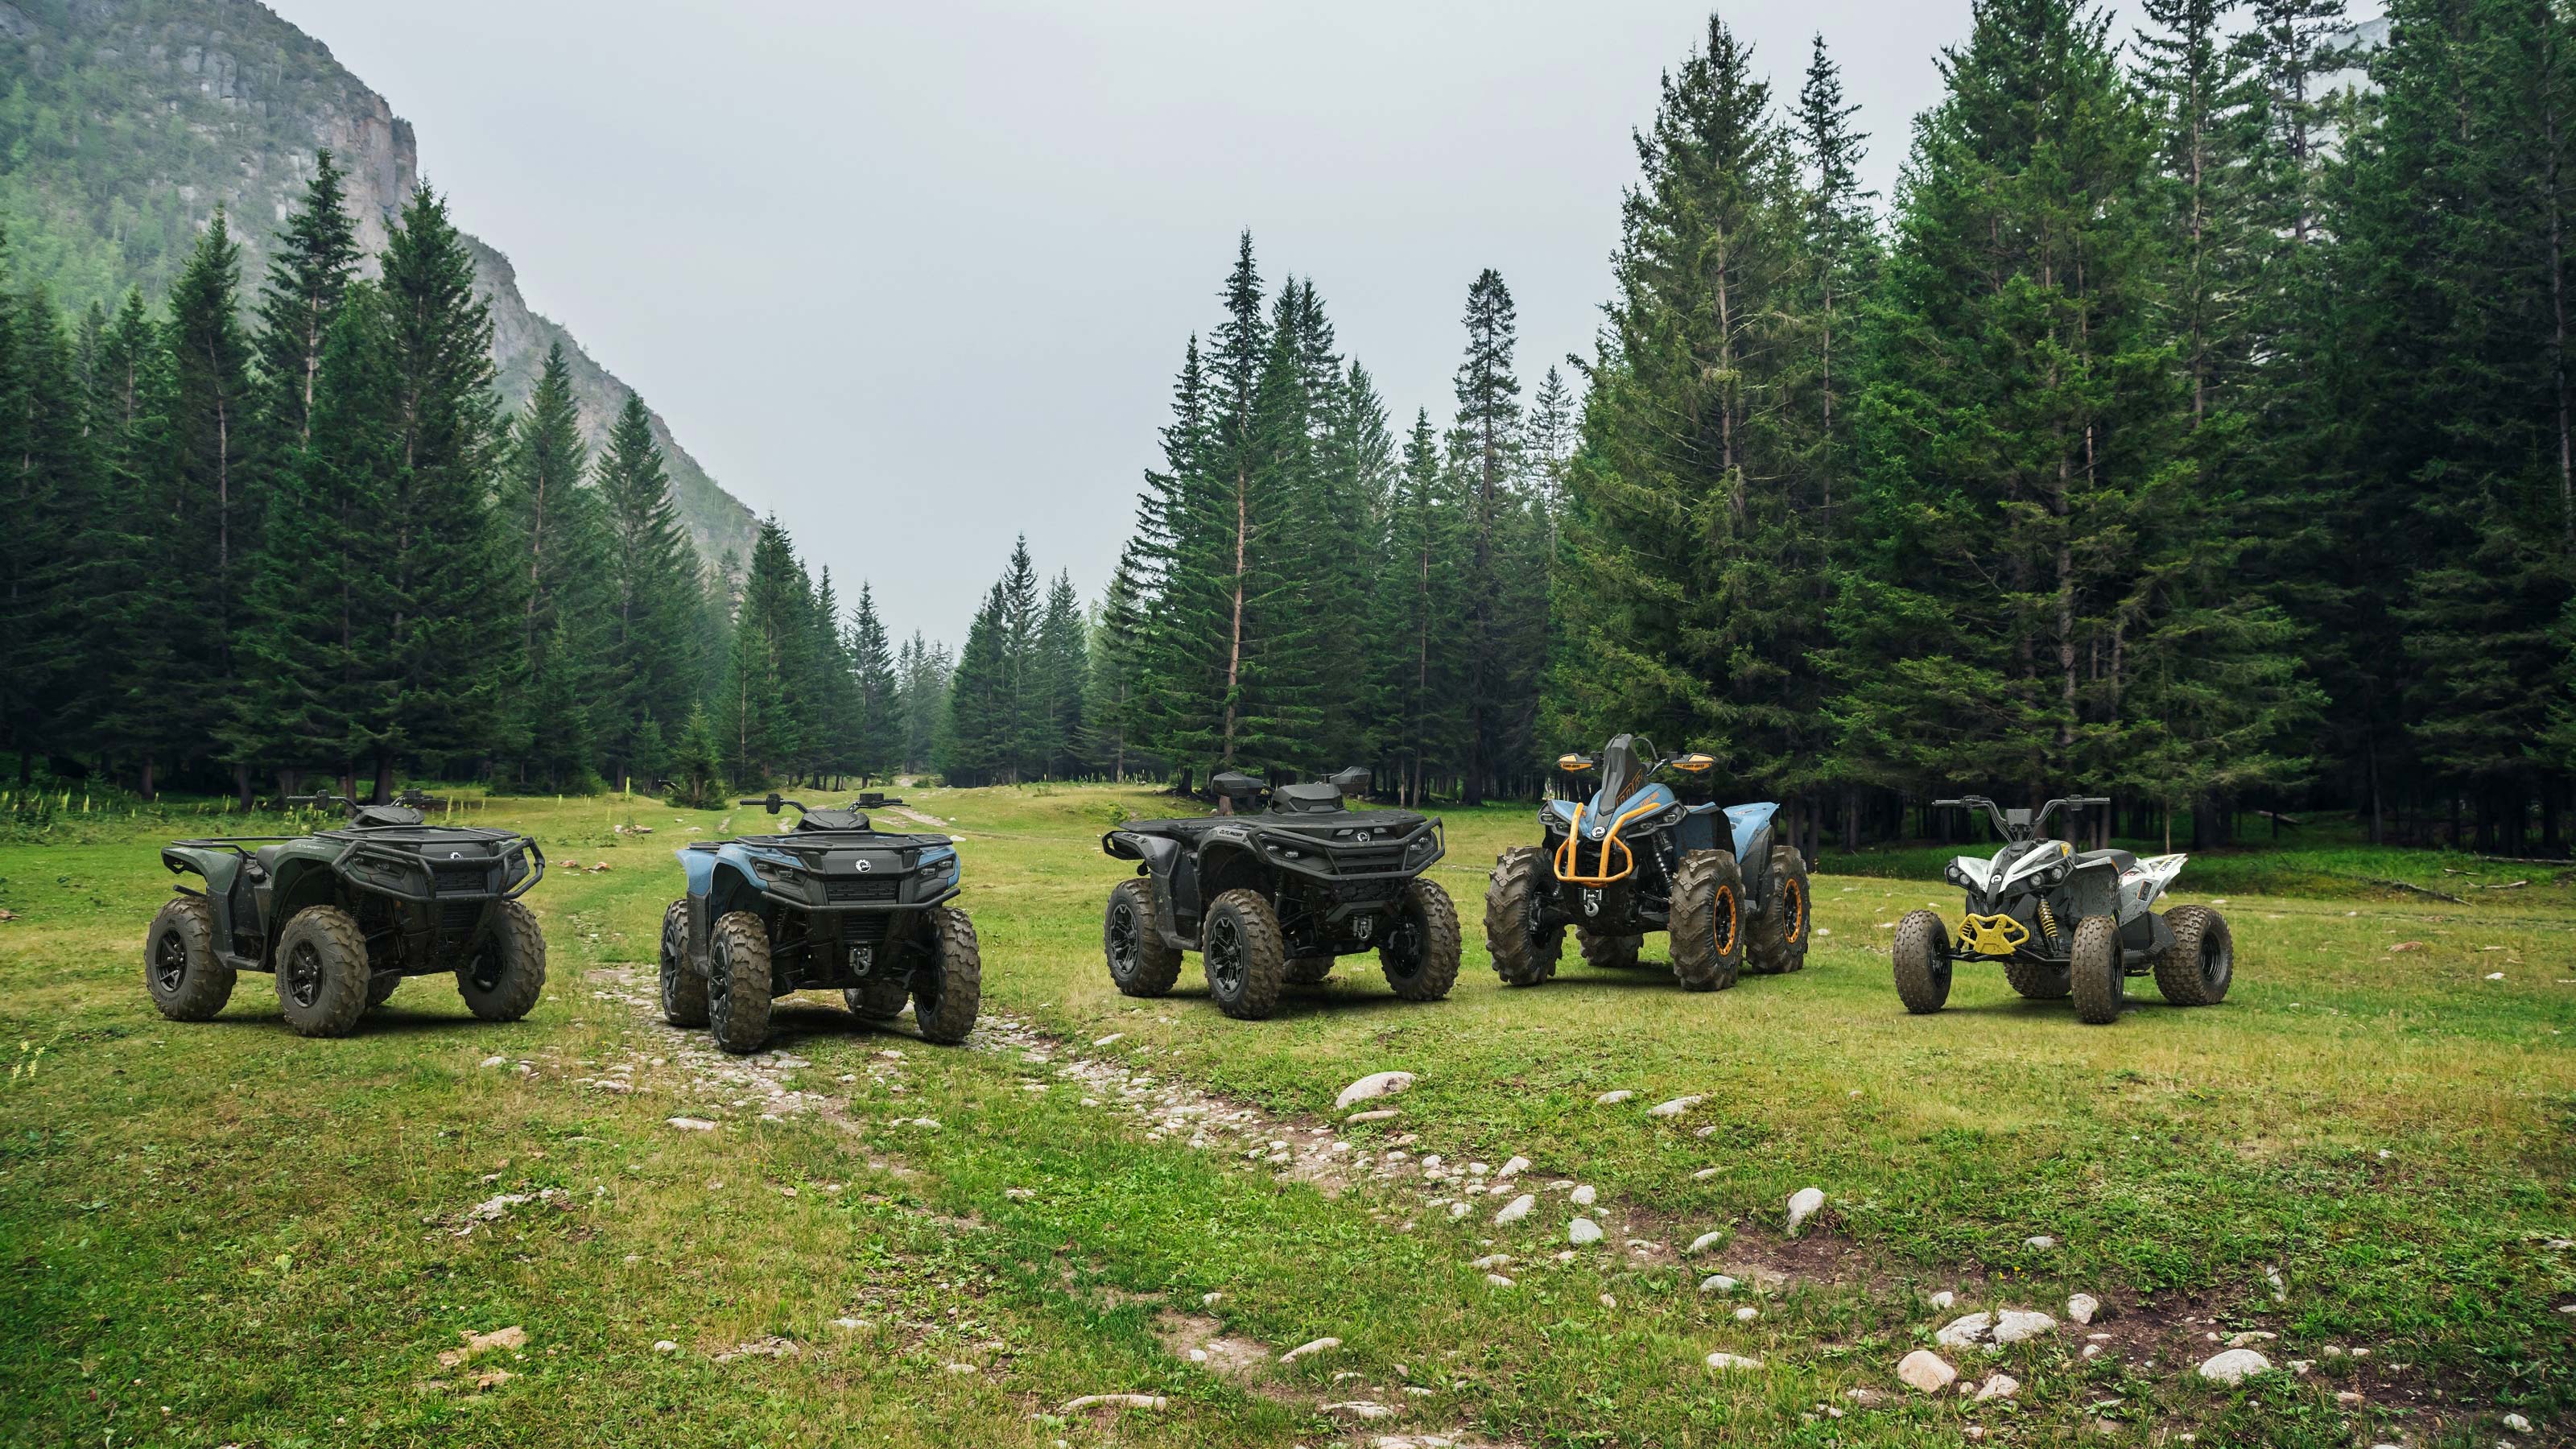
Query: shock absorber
x,y
2047,923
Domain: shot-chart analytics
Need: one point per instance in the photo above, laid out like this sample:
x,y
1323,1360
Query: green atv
x,y
342,916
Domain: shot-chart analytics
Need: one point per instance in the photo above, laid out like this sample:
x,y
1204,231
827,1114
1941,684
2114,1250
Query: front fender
x,y
1156,853
217,868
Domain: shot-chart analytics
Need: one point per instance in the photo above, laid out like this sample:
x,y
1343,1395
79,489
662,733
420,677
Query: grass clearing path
x,y
278,1239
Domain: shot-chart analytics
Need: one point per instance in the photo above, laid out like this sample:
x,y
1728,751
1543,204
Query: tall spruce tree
x,y
878,747
558,545
309,268
653,593
212,484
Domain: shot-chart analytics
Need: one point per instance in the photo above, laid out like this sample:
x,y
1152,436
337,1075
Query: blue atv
x,y
832,904
1633,858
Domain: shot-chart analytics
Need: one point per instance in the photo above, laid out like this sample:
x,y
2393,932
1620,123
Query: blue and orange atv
x,y
1634,858
830,905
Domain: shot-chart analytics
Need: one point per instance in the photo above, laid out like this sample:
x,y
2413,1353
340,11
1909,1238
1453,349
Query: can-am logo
x,y
866,865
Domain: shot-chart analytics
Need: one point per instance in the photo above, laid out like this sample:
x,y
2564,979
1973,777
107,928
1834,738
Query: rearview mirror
x,y
1574,764
1353,781
1695,764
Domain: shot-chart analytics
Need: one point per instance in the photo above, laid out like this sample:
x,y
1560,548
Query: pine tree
x,y
211,482
455,596
1506,561
309,269
879,737
1115,717
557,539
127,666
977,747
2021,418
51,484
1418,635
1062,664
653,594
697,764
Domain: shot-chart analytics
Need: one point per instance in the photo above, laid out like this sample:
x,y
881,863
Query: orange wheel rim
x,y
1726,938
1797,903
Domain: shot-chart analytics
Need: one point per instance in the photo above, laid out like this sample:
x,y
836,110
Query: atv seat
x,y
2121,860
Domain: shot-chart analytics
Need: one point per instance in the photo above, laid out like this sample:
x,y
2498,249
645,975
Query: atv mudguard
x,y
1170,872
2094,888
720,882
229,892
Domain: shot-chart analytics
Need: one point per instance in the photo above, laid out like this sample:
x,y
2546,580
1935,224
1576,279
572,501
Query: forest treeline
x,y
271,541
2191,426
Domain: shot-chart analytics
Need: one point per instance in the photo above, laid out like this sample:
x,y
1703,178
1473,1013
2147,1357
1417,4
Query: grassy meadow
x,y
223,1234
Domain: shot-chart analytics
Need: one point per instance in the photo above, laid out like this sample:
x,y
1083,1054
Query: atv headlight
x,y
1956,876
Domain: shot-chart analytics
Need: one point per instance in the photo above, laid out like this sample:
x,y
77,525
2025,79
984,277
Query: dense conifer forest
x,y
2191,425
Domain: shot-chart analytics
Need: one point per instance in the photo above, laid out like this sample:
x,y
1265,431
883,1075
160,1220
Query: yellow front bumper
x,y
1991,936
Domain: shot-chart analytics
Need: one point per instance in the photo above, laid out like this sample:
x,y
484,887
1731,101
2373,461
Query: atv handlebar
x,y
772,803
2029,825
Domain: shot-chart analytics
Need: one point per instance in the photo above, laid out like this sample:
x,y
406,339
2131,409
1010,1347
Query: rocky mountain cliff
x,y
124,124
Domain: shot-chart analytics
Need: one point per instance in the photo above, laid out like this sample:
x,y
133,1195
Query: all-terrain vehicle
x,y
1634,858
2064,922
342,916
831,905
1270,897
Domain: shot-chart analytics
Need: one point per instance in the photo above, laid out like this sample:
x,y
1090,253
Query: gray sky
x,y
917,276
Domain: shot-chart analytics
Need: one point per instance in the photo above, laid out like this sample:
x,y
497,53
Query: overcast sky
x,y
917,276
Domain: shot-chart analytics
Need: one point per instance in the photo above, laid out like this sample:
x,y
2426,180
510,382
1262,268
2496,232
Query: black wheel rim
x,y
1122,935
1533,913
2213,961
170,961
486,970
304,974
1404,945
1941,967
719,980
1225,956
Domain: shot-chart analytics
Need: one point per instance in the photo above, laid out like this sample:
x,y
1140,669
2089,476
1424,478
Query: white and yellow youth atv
x,y
2064,922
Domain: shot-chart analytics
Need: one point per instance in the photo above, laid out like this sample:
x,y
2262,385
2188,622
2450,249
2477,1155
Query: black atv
x,y
1271,897
342,916
1633,858
832,905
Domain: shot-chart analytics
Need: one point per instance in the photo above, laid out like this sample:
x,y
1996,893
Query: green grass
x,y
263,1230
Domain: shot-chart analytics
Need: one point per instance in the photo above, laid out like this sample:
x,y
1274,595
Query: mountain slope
x,y
125,123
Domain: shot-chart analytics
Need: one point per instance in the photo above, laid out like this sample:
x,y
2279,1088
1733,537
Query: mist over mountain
x,y
125,124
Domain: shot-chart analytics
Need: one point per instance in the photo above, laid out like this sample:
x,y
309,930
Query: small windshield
x,y
1624,762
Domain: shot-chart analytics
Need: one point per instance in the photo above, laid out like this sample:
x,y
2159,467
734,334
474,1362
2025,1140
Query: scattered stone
x,y
1926,1372
2011,1326
760,1348
664,1345
1803,1205
1309,1348
1612,1099
1517,1209
1362,1409
691,1124
848,1325
1865,1398
1732,1361
2092,1350
1609,1301
2234,1366
2082,1307
1747,1313
496,1061
2517,1423
2348,1399
1375,1084
2001,1386
1511,1169
2042,1241
1497,1280
1491,1260
1675,1107
1382,1114
1584,1196
1114,1401
1582,1231
1112,1039
1717,1283
1019,1194
1707,1240
2249,1337
1704,1174
1944,1298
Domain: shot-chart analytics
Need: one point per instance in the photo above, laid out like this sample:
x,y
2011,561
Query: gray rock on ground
x,y
2234,1366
